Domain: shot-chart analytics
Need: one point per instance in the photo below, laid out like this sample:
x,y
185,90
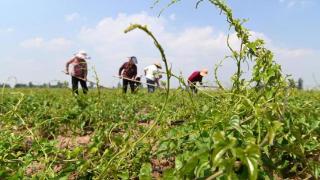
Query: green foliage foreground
x,y
41,133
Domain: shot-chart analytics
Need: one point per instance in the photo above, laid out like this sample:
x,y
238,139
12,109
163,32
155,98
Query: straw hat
x,y
82,55
134,59
204,72
158,65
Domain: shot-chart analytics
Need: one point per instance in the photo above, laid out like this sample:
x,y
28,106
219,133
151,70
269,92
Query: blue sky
x,y
39,36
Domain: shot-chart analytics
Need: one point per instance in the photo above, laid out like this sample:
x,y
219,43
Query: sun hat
x,y
204,72
134,59
82,55
158,65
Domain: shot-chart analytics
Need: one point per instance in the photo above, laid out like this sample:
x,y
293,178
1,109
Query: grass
x,y
48,133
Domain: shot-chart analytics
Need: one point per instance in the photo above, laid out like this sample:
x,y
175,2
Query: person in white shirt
x,y
153,75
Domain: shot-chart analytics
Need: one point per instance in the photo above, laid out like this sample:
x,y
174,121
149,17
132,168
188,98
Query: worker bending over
x,y
153,75
195,77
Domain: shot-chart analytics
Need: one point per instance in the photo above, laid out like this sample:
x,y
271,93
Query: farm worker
x,y
128,72
78,71
153,75
195,77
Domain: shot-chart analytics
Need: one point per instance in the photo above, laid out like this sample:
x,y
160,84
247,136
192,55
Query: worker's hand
x,y
66,72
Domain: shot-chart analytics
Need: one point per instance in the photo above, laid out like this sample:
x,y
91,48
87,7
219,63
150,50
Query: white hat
x,y
204,72
82,55
134,59
158,64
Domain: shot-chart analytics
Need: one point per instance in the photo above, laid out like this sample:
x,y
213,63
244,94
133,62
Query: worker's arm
x,y
146,70
135,71
85,70
121,68
67,65
158,82
200,82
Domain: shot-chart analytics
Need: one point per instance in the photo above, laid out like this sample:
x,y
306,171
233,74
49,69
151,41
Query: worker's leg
x,y
136,86
125,85
84,86
132,86
74,82
150,87
193,89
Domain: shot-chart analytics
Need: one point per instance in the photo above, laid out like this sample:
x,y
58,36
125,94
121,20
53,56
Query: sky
x,y
39,36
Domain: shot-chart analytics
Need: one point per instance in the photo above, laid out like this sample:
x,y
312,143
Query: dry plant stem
x,y
163,9
216,74
214,176
109,135
97,81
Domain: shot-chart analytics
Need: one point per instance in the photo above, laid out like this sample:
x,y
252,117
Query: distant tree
x,y
5,85
65,84
91,85
292,84
300,83
20,85
119,85
30,84
45,85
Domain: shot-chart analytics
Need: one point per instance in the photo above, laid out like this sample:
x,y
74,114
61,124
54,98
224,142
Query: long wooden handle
x,y
121,77
83,79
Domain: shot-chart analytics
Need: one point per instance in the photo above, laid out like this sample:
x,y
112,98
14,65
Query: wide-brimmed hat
x,y
82,55
204,72
158,64
134,59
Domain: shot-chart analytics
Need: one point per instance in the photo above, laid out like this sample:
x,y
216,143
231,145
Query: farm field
x,y
50,134
259,127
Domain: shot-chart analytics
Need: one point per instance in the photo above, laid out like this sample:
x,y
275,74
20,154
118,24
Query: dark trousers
x,y
151,89
125,85
75,82
193,88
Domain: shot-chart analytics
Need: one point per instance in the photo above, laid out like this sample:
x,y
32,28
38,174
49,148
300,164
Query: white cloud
x,y
9,30
188,49
6,30
172,17
296,3
33,43
56,44
72,17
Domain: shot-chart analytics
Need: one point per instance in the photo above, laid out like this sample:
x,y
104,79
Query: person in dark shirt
x,y
195,77
128,72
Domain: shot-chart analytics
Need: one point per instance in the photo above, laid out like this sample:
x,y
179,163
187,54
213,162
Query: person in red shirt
x,y
78,72
129,71
195,77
